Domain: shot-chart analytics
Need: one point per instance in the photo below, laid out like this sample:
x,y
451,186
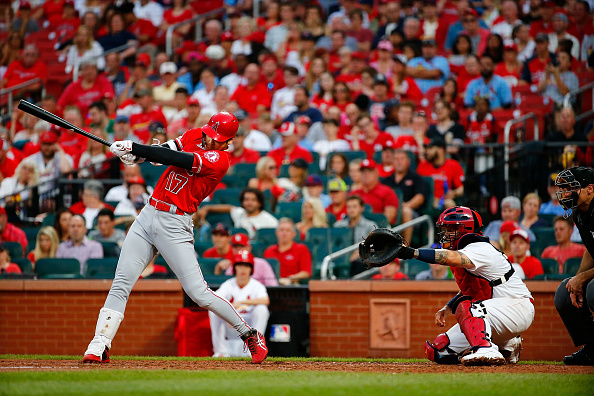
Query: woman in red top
x,y
341,96
272,17
403,86
178,13
45,246
510,68
460,51
266,172
325,97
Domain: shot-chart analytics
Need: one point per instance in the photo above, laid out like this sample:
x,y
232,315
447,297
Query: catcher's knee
x,y
438,350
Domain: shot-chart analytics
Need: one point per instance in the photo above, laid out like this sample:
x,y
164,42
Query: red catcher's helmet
x,y
221,126
457,221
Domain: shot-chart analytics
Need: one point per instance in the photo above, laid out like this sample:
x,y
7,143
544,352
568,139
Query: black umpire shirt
x,y
585,224
410,185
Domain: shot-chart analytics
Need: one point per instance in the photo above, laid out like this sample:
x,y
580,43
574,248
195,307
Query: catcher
x,y
493,306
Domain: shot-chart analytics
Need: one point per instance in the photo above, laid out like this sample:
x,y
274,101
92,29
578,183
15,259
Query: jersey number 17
x,y
175,182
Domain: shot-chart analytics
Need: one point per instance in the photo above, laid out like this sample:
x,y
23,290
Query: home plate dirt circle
x,y
368,366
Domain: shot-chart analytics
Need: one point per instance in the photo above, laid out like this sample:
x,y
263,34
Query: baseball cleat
x,y
90,358
254,340
483,357
511,350
579,358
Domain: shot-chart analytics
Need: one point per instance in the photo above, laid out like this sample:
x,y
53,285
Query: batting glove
x,y
121,148
128,159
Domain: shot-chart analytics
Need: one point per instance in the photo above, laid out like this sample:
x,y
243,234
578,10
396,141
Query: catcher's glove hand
x,y
382,246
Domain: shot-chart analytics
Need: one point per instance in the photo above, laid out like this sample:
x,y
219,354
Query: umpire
x,y
574,298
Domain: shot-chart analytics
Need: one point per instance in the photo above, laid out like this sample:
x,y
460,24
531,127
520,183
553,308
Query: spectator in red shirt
x,y
381,198
253,97
447,174
565,249
520,244
241,154
545,23
71,142
149,113
221,241
271,74
417,140
510,68
11,233
66,23
481,125
7,165
88,89
6,267
373,140
143,29
289,149
24,69
534,68
390,271
470,72
294,258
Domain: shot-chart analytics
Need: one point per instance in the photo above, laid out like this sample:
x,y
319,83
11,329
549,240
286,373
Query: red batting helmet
x,y
457,221
244,257
221,126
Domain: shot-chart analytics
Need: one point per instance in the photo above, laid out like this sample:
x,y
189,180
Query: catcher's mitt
x,y
381,247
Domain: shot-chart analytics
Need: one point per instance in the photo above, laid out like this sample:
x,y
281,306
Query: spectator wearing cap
x,y
24,22
390,271
164,94
508,20
51,161
559,33
559,80
122,130
565,248
106,230
11,233
78,246
381,198
381,100
372,140
219,62
511,68
447,174
23,69
489,85
84,48
505,232
520,245
255,139
331,143
337,190
429,70
478,35
118,35
251,216
552,207
149,113
221,241
290,149
91,202
240,153
93,161
294,258
249,297
312,216
534,68
283,99
253,97
314,188
136,199
150,10
384,63
90,87
511,209
263,272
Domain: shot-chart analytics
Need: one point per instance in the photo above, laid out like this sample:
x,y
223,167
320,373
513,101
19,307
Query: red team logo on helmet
x,y
212,156
221,127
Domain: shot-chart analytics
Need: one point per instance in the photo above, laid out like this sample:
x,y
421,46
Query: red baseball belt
x,y
165,207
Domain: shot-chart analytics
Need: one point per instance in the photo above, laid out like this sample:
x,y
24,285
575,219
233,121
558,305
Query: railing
x,y
198,35
121,48
9,91
506,148
574,94
325,271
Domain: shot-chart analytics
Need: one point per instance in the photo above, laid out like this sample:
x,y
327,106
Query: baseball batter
x,y
198,161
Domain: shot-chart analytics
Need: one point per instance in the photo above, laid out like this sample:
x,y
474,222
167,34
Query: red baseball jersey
x,y
17,74
292,261
450,171
187,189
140,122
82,98
378,197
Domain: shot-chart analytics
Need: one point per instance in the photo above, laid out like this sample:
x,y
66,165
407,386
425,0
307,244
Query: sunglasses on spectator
x,y
419,114
470,20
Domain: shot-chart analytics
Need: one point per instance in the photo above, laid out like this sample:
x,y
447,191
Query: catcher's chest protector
x,y
469,284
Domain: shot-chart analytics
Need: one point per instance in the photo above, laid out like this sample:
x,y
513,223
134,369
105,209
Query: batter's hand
x,y
129,159
121,148
441,315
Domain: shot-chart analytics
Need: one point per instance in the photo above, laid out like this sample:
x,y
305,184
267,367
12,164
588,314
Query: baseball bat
x,y
54,119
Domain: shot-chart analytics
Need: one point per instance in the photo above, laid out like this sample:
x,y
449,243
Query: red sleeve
x,y
67,96
269,252
23,240
391,199
305,259
413,92
189,136
210,253
457,174
212,163
77,208
42,71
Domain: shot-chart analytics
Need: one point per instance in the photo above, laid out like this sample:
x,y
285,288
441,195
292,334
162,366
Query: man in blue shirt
x,y
429,70
489,85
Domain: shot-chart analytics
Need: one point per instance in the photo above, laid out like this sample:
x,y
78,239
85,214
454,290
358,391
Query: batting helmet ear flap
x,y
478,221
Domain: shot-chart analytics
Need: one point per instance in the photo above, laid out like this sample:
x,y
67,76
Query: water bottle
x,y
518,99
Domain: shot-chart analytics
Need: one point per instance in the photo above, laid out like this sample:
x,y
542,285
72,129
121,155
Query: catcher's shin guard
x,y
439,352
476,329
106,329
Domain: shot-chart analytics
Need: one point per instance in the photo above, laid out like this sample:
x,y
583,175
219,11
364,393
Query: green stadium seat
x,y
258,248
48,220
226,196
571,266
207,265
275,266
201,246
266,236
545,236
103,268
23,263
548,218
214,218
378,218
284,171
112,203
214,281
15,250
339,237
161,261
331,219
58,268
110,249
151,173
549,265
232,181
291,210
244,171
413,266
31,233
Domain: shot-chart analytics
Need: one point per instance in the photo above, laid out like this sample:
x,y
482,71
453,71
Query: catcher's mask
x,y
570,183
457,221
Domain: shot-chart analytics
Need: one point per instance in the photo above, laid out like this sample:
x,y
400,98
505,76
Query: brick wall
x,y
339,318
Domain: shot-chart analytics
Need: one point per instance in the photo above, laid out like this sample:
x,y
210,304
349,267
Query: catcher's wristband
x,y
426,255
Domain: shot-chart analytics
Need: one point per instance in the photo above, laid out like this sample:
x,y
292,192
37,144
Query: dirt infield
x,y
378,367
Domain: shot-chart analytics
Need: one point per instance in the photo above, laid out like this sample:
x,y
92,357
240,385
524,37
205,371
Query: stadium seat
x,y
110,249
548,218
58,268
330,219
214,218
201,246
413,266
258,248
226,196
571,266
31,233
334,238
378,218
244,171
103,268
549,265
275,266
545,236
151,173
161,261
291,210
207,265
15,250
232,181
48,220
23,263
266,236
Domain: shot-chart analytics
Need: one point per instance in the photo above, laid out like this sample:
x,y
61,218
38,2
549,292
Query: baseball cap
x,y
337,185
122,118
330,121
358,55
244,257
24,5
48,137
385,45
368,164
511,203
287,129
541,37
156,126
428,42
143,59
300,163
143,92
220,229
561,16
136,180
510,46
195,55
508,226
518,232
269,58
215,52
168,67
186,46
227,36
313,180
552,178
436,142
381,79
303,120
193,101
388,145
240,239
471,11
307,36
241,114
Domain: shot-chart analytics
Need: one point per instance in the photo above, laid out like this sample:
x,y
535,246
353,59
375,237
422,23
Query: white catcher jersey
x,y
231,291
491,264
